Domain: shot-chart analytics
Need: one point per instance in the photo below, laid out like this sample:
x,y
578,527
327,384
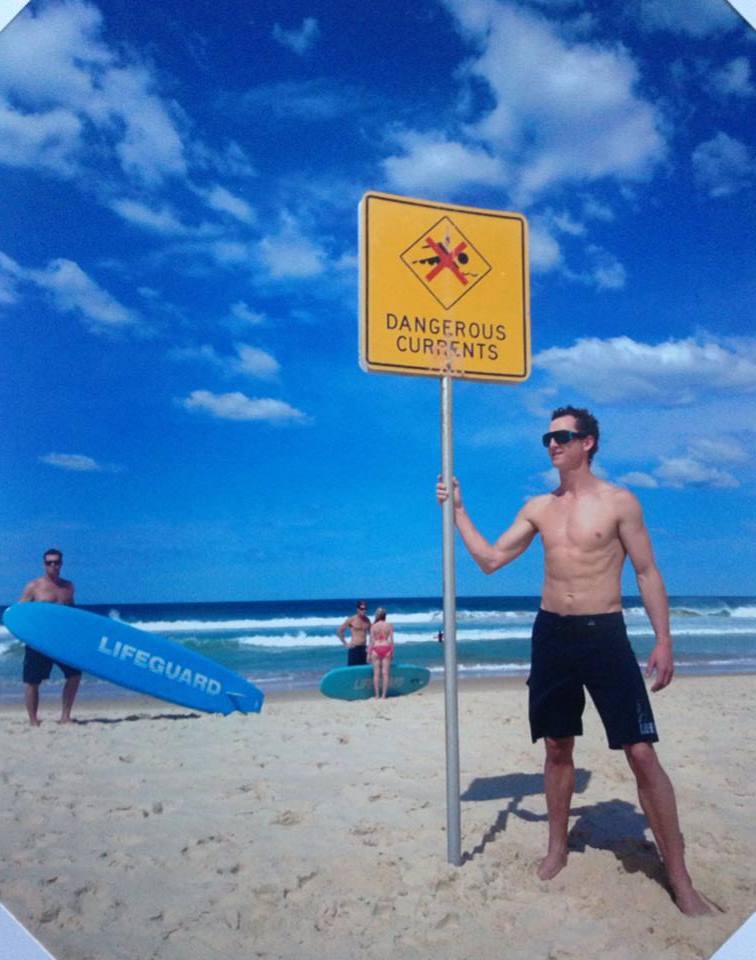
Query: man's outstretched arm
x,y
489,556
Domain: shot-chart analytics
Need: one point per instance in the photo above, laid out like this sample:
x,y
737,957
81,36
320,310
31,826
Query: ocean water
x,y
291,644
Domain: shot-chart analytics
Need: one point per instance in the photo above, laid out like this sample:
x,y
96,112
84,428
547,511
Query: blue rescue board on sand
x,y
356,683
122,654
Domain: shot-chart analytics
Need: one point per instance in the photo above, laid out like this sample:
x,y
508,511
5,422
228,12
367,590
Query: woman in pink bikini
x,y
380,652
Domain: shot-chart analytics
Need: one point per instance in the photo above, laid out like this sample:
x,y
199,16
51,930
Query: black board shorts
x,y
38,666
574,653
357,656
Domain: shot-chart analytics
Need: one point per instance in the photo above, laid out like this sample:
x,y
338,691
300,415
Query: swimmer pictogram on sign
x,y
446,262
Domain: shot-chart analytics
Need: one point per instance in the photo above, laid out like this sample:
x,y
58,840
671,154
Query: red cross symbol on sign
x,y
446,260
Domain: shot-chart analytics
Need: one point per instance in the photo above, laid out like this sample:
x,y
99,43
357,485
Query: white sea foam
x,y
432,619
273,623
304,639
744,612
494,668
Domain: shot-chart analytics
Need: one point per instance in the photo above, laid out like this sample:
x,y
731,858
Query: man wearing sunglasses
x,y
50,588
588,527
358,626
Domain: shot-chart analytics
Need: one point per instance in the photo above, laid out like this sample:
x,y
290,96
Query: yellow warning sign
x,y
443,290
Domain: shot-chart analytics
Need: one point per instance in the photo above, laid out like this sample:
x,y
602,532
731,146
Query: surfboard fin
x,y
250,705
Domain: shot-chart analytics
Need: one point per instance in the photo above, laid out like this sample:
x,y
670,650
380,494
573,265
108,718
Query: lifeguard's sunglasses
x,y
563,436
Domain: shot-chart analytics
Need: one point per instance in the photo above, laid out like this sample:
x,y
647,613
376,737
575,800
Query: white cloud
x,y
308,101
594,209
696,18
47,140
430,163
150,147
289,253
565,223
718,449
241,313
723,165
205,353
544,251
565,111
698,467
255,362
73,291
238,406
301,40
248,361
606,272
70,289
673,372
222,200
636,478
603,270
10,274
229,253
688,472
63,80
161,220
76,462
734,79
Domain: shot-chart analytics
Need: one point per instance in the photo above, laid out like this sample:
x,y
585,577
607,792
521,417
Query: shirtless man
x,y
358,626
51,588
588,527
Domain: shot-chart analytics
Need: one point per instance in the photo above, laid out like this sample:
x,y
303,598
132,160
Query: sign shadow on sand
x,y
513,787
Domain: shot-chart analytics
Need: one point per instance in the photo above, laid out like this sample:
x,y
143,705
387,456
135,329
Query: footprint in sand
x,y
287,819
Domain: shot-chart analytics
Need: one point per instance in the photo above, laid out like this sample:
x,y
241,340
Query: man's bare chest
x,y
51,593
585,526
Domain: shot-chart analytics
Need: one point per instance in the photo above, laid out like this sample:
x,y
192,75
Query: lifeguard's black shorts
x,y
592,652
38,666
357,656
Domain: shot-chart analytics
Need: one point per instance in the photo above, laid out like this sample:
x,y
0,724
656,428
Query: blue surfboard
x,y
356,683
141,661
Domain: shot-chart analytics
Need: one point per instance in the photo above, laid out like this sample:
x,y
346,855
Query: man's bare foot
x,y
551,864
35,722
690,901
66,720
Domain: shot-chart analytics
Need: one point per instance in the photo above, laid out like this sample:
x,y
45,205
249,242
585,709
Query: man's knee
x,y
559,750
642,759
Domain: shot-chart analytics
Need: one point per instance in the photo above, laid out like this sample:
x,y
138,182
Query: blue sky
x,y
184,415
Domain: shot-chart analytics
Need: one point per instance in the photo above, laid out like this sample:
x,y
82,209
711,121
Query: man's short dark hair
x,y
53,551
585,422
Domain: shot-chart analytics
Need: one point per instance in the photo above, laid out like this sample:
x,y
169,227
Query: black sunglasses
x,y
53,563
563,436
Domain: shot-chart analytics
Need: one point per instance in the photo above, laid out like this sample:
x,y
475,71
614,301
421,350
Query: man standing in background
x,y
49,588
358,626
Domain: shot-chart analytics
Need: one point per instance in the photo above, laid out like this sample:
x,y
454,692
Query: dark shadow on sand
x,y
513,787
136,717
619,827
613,825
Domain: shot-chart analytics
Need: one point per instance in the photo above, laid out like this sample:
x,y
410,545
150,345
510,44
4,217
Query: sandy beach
x,y
317,830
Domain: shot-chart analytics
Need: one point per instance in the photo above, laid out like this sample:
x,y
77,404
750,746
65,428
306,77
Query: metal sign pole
x,y
453,832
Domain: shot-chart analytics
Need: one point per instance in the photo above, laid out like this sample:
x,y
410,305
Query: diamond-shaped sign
x,y
445,262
